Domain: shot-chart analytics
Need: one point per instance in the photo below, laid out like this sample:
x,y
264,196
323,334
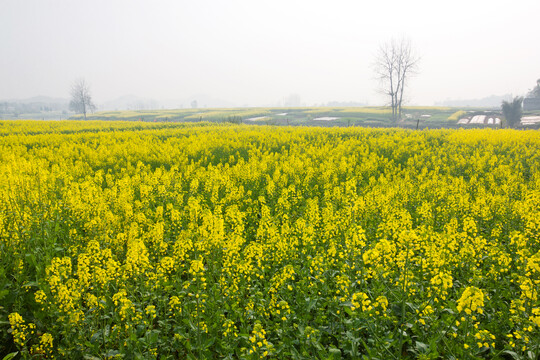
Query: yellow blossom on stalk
x,y
442,280
20,331
282,310
258,340
92,301
484,338
382,303
175,306
20,266
136,258
309,332
533,264
150,310
230,329
196,268
202,326
65,291
41,298
124,307
360,300
281,277
428,310
471,300
166,266
370,256
45,346
529,289
535,316
343,283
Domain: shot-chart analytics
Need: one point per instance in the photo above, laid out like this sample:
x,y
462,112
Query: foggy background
x,y
154,54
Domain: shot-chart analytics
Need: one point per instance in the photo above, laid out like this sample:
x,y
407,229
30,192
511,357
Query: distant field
x,y
432,117
369,116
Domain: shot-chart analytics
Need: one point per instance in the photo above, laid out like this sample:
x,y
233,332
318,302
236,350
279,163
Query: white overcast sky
x,y
252,52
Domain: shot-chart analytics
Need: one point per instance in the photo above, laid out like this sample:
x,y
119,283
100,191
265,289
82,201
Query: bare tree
x,y
81,99
394,64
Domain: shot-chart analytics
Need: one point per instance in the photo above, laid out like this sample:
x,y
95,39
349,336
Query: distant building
x,y
531,103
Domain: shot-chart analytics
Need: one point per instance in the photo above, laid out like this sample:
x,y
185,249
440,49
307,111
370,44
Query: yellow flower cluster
x,y
199,240
472,300
230,328
535,316
45,346
258,341
125,308
361,301
20,330
196,268
175,306
484,339
65,291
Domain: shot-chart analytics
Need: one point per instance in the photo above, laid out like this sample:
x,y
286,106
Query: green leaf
x,y
311,304
512,354
90,357
30,284
209,342
403,332
112,353
423,348
335,352
10,356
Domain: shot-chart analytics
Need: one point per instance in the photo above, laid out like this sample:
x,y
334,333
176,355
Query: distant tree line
x,y
16,107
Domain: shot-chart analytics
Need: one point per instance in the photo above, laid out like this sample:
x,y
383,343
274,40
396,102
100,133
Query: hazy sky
x,y
252,52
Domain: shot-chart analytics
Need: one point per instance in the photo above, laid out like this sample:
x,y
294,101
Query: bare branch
x,y
394,64
81,99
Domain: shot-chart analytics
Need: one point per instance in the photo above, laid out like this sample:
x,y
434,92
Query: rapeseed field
x,y
159,240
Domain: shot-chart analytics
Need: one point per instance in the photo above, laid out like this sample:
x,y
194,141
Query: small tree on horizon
x,y
81,99
512,111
